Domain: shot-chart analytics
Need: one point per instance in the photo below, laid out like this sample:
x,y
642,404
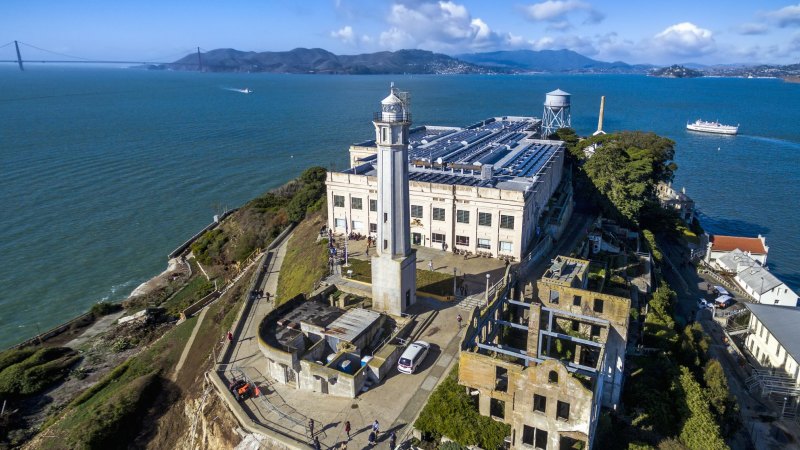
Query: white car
x,y
703,304
413,356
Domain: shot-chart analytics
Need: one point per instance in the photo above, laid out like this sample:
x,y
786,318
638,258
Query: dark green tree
x,y
700,431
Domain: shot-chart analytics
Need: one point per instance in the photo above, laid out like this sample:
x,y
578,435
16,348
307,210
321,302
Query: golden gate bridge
x,y
77,59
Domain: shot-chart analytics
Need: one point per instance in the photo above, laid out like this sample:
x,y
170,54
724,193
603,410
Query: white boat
x,y
712,127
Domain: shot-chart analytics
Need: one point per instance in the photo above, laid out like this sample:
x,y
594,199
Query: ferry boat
x,y
712,127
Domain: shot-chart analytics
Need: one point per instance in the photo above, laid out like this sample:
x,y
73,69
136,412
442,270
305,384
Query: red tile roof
x,y
721,243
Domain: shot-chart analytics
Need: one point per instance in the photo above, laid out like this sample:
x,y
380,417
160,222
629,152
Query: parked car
x,y
413,356
703,304
724,301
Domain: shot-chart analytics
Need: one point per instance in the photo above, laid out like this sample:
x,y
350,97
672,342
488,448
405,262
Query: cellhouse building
x,y
477,190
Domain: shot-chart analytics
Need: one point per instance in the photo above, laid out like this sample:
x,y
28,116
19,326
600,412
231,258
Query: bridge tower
x,y
394,276
19,56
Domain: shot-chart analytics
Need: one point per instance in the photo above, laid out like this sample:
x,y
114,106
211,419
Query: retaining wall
x,y
181,248
81,320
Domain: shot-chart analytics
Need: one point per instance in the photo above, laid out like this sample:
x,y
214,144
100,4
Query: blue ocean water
x,y
105,171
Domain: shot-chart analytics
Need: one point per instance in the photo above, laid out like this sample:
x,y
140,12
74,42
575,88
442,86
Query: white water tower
x,y
556,112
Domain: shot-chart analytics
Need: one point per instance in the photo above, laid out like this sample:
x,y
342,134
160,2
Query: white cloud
x,y
345,35
752,28
787,16
396,39
558,10
439,26
684,39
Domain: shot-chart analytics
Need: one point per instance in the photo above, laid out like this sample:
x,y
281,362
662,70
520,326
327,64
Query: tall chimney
x,y
602,110
600,119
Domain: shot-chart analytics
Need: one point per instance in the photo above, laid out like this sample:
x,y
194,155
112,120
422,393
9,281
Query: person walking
x,y
316,444
230,336
458,319
311,427
371,438
347,429
430,265
392,441
376,427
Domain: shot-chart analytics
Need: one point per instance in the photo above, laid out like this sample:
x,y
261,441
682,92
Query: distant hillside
x,y
675,71
317,60
549,61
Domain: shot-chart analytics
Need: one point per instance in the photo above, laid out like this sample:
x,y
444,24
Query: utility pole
x,y
19,57
454,283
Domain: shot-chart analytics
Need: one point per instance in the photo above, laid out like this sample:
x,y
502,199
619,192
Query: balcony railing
x,y
403,117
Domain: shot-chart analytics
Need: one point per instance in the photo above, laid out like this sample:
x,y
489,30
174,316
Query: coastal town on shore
x,y
460,264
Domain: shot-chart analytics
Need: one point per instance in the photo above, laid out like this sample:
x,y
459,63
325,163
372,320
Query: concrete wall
x,y
328,380
394,283
478,373
615,309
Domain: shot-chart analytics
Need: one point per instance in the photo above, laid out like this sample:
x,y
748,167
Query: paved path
x,y
246,352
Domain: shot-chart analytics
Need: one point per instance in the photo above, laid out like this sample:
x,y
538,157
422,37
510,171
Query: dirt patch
x,y
432,331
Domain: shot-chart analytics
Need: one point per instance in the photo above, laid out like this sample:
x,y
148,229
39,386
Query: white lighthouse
x,y
394,276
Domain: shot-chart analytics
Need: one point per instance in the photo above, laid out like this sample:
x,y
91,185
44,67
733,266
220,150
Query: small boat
x,y
246,91
712,127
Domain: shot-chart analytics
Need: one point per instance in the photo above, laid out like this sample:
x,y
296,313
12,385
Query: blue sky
x,y
648,31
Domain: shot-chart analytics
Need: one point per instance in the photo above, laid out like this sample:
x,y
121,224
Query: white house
x,y
720,245
773,338
756,280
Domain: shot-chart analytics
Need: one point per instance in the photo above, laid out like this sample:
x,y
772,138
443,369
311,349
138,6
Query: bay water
x,y
104,171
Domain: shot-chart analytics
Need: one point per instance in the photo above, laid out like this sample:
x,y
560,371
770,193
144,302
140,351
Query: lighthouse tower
x,y
394,275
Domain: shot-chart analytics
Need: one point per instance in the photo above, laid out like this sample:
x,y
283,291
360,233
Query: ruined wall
x,y
536,380
615,309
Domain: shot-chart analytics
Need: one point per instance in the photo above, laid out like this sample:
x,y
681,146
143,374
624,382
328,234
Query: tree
x,y
723,405
625,169
699,431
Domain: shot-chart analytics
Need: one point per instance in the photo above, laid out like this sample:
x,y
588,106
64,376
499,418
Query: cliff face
x,y
195,423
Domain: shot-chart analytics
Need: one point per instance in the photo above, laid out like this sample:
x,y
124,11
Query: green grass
x,y
197,288
103,415
27,373
306,260
429,281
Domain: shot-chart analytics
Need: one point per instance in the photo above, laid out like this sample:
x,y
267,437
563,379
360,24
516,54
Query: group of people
x,y
373,435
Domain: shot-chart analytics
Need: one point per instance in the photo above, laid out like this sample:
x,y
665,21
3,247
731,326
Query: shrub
x,y
450,412
13,356
101,309
699,431
38,371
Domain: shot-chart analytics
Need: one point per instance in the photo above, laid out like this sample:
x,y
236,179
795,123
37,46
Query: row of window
x,y
436,238
597,307
540,405
462,216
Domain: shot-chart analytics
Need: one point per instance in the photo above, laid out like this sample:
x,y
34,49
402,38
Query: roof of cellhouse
x,y
499,152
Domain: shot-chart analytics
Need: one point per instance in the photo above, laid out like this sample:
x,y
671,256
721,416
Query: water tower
x,y
556,112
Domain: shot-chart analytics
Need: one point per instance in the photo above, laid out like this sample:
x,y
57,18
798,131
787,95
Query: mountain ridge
x,y
414,61
318,60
